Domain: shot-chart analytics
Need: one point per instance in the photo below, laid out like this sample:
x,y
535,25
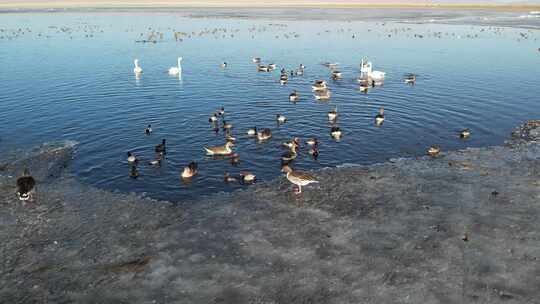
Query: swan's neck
x,y
179,63
136,64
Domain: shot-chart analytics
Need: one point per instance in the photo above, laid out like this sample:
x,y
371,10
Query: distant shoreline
x,y
173,4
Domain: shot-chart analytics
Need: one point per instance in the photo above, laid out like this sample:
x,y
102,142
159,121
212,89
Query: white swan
x,y
177,69
137,69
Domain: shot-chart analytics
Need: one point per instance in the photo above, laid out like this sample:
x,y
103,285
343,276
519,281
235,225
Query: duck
x,y
227,125
190,171
161,148
322,95
134,173
295,142
283,79
298,178
220,150
336,74
221,111
263,68
132,159
314,152
213,118
228,178
379,118
272,66
148,130
434,151
335,132
312,141
247,177
330,64
256,59
465,133
252,131
156,162
137,69
294,96
235,159
410,78
177,70
281,118
25,185
332,115
319,85
265,134
223,65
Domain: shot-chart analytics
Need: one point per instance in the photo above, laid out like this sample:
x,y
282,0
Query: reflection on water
x,y
70,76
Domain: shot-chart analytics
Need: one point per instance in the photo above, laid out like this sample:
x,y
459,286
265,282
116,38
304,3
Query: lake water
x,y
69,76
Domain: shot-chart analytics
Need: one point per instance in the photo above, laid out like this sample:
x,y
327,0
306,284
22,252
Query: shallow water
x,y
78,84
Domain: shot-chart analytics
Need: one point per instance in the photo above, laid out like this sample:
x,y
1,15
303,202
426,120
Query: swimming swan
x,y
177,69
137,69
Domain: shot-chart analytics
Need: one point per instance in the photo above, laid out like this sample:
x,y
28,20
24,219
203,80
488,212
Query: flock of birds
x,y
26,183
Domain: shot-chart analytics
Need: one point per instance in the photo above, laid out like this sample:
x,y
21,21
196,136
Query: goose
x,y
134,173
312,141
213,118
247,177
298,178
161,148
379,118
336,74
252,131
137,69
25,185
336,133
220,150
190,171
228,178
265,134
465,133
294,96
332,115
322,95
319,85
177,70
227,125
132,159
281,118
434,151
148,130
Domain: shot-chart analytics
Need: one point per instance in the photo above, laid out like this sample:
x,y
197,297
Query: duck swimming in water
x,y
256,59
134,173
252,131
332,115
223,65
25,185
227,126
221,111
465,133
294,96
220,150
190,171
281,118
335,132
312,141
247,177
132,159
434,151
161,148
265,134
298,178
213,118
148,130
379,118
228,178
319,85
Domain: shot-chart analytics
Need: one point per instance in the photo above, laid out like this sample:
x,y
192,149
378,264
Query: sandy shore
x,y
64,4
460,228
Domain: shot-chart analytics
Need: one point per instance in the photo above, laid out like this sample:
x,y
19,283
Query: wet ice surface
x,y
460,228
